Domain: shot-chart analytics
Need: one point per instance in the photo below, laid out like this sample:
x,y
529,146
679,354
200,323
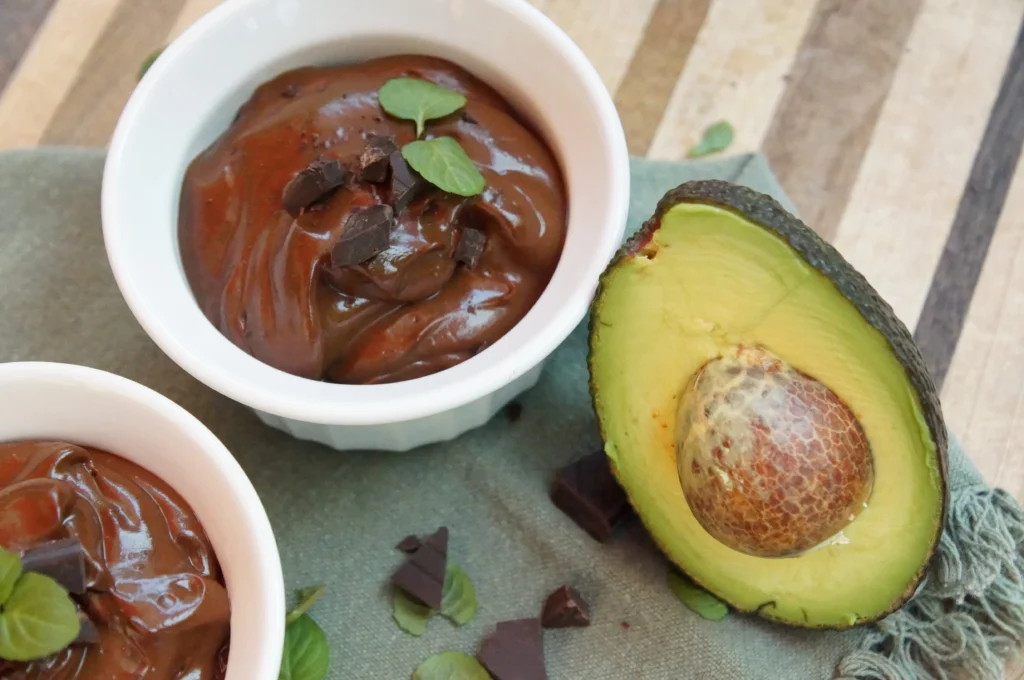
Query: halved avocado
x,y
771,419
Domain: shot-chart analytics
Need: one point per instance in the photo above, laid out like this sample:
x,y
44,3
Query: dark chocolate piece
x,y
311,184
367,232
471,247
514,651
422,574
588,492
564,608
63,561
88,633
406,183
374,161
409,544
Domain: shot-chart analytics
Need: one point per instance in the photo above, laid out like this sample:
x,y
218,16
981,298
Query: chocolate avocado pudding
x,y
310,243
151,598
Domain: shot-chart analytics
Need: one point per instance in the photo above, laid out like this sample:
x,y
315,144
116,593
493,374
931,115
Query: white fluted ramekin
x,y
190,96
93,408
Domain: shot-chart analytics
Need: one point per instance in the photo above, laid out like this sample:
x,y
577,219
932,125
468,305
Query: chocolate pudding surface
x,y
265,278
155,590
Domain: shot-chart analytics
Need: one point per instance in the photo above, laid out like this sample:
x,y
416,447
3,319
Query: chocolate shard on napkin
x,y
366,234
514,651
588,492
409,544
63,561
374,160
471,247
422,574
406,183
311,184
564,608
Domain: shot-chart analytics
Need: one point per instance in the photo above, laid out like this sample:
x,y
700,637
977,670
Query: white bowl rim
x,y
268,565
409,400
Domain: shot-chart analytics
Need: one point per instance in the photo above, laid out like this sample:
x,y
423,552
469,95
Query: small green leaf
x,y
148,62
443,163
418,100
716,138
411,616
38,619
450,666
700,602
10,570
306,597
458,603
306,653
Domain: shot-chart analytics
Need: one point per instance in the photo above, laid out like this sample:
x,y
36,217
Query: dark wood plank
x,y
655,68
89,111
840,78
956,276
19,21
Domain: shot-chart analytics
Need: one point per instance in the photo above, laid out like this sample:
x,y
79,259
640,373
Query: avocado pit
x,y
772,462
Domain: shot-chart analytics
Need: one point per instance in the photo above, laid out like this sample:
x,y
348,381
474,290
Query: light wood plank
x,y
607,31
49,68
190,13
736,72
983,396
906,195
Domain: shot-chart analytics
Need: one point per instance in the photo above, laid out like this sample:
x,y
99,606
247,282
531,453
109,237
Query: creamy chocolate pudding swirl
x,y
265,278
155,591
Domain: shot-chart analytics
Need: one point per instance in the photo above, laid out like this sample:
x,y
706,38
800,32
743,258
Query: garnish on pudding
x,y
141,575
371,223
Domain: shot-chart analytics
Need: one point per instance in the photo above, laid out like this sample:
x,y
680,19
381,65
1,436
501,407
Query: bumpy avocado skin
x,y
766,212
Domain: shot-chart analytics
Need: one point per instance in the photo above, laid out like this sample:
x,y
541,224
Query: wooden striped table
x,y
895,125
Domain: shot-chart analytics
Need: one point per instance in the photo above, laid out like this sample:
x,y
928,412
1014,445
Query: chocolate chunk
x,y
514,651
588,492
311,184
88,633
367,232
290,92
409,544
406,183
471,247
374,161
63,561
564,608
422,574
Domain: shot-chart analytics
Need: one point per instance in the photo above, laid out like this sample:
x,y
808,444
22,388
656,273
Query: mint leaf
x,y
410,615
306,653
458,603
450,666
700,602
10,570
148,62
418,100
307,597
443,163
716,138
38,619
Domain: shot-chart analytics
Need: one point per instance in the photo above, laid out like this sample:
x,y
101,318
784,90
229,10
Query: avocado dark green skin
x,y
766,212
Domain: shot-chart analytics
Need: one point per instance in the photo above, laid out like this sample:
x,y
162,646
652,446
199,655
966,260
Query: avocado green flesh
x,y
709,280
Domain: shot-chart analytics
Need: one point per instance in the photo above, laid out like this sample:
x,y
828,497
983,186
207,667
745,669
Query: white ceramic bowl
x,y
190,96
93,408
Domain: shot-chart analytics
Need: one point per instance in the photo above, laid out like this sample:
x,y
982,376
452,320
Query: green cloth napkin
x,y
337,516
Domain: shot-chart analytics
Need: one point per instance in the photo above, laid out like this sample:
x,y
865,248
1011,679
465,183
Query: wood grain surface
x,y
896,127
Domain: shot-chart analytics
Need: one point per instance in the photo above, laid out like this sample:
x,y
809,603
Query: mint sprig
x,y
717,137
441,161
306,654
450,666
418,100
37,616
